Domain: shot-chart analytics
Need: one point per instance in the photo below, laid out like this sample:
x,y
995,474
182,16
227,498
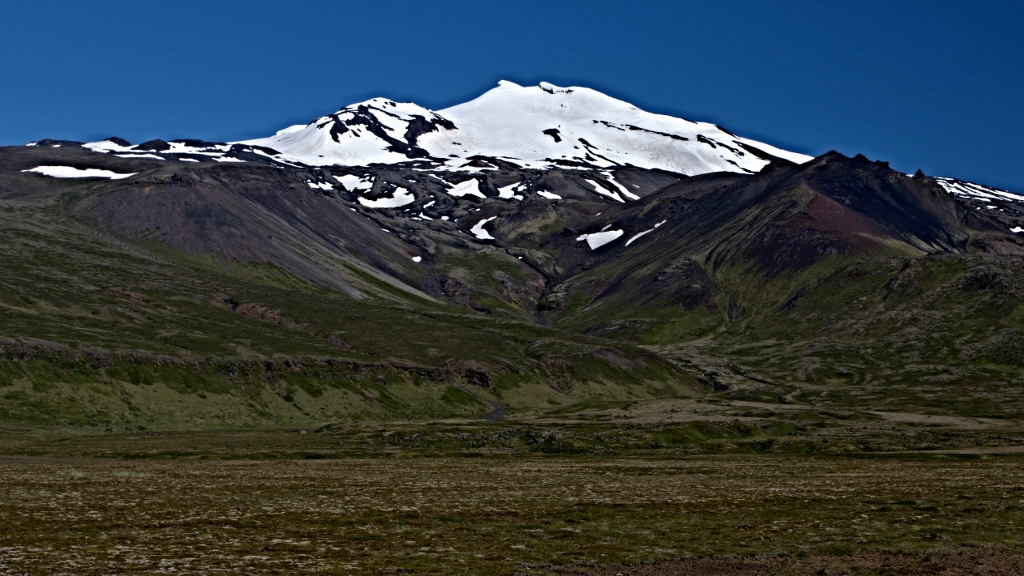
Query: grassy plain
x,y
616,490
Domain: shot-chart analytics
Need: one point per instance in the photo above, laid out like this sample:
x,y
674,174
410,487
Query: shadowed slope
x,y
730,244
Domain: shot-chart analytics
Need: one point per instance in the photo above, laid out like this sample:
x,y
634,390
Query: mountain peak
x,y
541,127
552,89
544,86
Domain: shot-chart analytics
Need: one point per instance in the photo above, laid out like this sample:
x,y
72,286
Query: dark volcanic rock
x,y
58,143
154,145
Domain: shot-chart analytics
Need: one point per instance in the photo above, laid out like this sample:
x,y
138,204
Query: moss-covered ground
x,y
365,500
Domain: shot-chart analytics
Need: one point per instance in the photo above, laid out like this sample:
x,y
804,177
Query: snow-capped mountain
x,y
541,126
473,148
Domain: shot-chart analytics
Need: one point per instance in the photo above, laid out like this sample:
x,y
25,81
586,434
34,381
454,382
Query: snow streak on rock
x,y
977,191
644,233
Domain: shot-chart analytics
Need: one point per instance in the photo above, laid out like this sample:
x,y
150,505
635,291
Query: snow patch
x,y
598,239
509,192
355,183
417,259
106,146
478,229
154,156
470,187
548,195
69,172
400,197
178,147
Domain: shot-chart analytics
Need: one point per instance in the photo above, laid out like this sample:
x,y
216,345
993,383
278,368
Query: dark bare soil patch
x,y
970,560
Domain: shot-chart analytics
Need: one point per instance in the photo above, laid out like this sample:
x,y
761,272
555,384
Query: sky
x,y
935,85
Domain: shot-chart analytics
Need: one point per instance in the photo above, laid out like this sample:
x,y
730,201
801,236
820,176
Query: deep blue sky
x,y
936,85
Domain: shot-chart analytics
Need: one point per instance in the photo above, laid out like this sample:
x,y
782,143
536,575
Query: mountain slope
x,y
446,263
753,232
102,328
